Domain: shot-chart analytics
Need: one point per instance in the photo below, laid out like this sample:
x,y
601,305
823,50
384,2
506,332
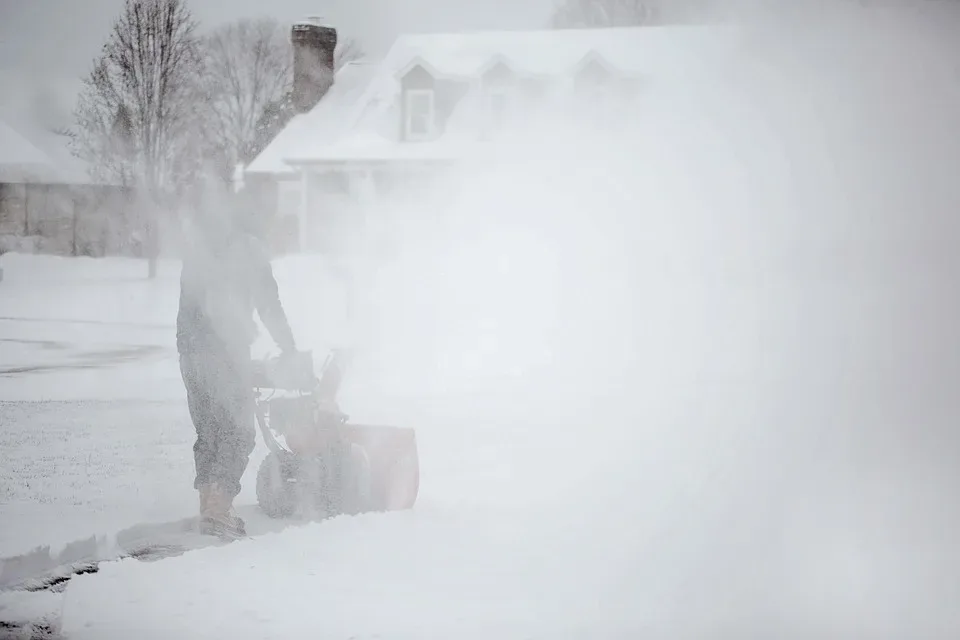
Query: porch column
x,y
365,187
367,198
361,253
303,209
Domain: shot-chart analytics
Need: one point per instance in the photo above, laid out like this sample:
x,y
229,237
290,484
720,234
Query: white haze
x,y
716,352
714,356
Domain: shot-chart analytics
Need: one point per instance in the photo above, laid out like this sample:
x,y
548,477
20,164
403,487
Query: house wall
x,y
68,220
334,204
332,208
359,207
276,201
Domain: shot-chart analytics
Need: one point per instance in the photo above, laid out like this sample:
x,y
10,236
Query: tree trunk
x,y
74,202
153,245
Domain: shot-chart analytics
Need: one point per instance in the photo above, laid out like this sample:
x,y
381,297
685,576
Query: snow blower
x,y
329,466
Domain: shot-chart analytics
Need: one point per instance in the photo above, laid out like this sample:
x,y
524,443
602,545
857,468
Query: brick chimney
x,y
313,63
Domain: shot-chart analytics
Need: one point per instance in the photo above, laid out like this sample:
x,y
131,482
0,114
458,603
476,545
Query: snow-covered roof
x,y
323,125
32,155
68,169
21,160
630,50
368,130
17,150
31,111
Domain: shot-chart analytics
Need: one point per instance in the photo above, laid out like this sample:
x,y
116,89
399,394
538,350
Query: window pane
x,y
419,113
497,106
420,101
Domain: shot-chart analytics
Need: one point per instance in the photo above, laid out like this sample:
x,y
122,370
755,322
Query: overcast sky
x,y
61,37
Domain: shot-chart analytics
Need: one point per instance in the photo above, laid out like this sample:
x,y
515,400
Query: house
x,y
436,99
48,204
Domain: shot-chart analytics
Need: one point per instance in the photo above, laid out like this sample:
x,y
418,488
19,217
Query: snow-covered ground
x,y
719,501
700,383
95,434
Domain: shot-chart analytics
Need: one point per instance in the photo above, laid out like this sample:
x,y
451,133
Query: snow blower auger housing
x,y
329,466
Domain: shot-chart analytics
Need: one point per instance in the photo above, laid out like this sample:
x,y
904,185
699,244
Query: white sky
x,y
61,37
46,46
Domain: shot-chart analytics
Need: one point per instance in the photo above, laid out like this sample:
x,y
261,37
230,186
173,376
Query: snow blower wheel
x,y
327,466
276,484
344,480
338,479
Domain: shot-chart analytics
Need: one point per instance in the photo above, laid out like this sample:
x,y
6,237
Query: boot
x,y
219,519
206,508
205,492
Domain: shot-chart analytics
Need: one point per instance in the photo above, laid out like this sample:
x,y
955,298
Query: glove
x,y
299,365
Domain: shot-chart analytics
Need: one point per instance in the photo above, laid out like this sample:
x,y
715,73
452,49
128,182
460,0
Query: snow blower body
x,y
329,466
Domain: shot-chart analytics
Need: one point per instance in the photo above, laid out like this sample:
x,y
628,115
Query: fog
x,y
28,29
713,352
723,340
46,46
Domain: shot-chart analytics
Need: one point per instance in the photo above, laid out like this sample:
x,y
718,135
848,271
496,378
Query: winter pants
x,y
220,399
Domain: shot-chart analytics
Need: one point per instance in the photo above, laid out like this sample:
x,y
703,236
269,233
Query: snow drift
x,y
690,379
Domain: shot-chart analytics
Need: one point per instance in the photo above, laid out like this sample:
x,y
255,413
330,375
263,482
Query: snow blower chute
x,y
328,466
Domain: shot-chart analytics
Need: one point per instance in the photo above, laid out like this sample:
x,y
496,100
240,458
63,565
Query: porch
x,y
329,205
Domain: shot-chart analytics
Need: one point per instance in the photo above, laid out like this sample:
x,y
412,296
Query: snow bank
x,y
402,575
18,244
30,614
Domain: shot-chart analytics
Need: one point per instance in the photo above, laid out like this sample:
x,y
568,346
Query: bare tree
x,y
248,66
348,50
136,113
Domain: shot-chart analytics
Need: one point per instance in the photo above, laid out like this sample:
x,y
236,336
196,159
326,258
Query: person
x,y
226,276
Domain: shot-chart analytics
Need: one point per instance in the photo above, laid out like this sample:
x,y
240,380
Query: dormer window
x,y
420,114
598,91
602,100
496,109
498,86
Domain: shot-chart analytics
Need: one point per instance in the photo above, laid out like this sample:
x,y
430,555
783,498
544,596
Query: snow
x,y
370,147
372,558
36,108
359,122
17,150
24,608
322,125
95,425
633,51
69,168
29,153
694,379
76,321
20,160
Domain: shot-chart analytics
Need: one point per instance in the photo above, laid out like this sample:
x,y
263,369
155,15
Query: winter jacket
x,y
222,283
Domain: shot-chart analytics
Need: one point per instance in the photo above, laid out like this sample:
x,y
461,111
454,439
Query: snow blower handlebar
x,y
315,405
287,372
295,372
